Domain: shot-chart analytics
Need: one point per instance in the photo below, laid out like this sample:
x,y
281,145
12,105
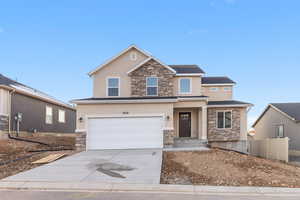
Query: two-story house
x,y
140,102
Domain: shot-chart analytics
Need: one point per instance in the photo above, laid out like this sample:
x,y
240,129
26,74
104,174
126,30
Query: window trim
x,y
133,56
227,89
60,110
119,88
224,119
277,130
47,115
179,86
216,89
151,86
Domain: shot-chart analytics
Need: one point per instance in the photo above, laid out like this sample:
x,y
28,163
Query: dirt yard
x,y
226,168
17,156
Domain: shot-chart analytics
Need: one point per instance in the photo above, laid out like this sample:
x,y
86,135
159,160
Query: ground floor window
x,y
224,119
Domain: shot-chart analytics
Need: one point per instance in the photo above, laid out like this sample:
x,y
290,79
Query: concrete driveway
x,y
103,166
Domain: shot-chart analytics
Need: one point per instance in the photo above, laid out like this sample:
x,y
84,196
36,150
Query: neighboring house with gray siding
x,y
280,120
37,111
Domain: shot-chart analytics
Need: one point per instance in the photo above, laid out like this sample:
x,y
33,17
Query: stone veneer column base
x,y
81,141
240,146
169,138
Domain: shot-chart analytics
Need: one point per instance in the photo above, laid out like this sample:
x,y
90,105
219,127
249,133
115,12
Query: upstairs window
x,y
227,89
113,87
152,86
61,116
185,86
49,115
280,131
224,119
213,89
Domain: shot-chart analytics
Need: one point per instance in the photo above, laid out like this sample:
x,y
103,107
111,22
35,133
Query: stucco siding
x,y
194,121
266,128
195,84
219,95
117,68
130,109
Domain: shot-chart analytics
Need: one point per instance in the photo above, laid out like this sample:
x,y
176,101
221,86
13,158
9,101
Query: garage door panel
x,y
123,133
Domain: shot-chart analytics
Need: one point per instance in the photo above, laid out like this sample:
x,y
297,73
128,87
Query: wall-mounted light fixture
x,y
80,119
168,117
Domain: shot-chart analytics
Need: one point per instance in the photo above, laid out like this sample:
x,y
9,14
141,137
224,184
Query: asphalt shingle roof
x,y
217,80
291,109
229,102
187,69
28,90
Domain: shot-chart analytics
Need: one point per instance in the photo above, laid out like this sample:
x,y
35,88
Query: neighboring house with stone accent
x,y
140,102
31,111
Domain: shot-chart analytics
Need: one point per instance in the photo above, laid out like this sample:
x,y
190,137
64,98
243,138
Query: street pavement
x,y
59,195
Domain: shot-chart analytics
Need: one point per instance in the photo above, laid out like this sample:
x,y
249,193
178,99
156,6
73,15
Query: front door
x,y
185,124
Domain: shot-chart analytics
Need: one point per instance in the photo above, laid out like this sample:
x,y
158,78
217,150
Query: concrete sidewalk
x,y
149,188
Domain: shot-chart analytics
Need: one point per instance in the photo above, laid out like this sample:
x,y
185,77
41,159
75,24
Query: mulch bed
x,y
226,168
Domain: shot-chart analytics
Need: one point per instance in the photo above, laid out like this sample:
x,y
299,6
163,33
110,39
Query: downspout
x,y
9,123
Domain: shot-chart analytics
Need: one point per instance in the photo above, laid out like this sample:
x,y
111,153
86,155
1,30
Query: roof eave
x,y
189,74
91,73
278,110
147,60
230,105
218,84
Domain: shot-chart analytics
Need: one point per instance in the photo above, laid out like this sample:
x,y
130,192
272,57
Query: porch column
x,y
204,123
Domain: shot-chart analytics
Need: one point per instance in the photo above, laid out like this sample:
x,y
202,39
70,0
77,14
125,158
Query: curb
x,y
159,188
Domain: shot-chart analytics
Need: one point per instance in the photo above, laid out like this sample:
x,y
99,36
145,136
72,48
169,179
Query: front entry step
x,y
189,142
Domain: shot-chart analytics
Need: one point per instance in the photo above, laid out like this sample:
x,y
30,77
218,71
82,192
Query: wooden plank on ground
x,y
49,158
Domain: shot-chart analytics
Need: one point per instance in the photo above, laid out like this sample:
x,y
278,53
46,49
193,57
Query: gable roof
x,y
147,60
26,90
117,56
187,69
290,110
217,80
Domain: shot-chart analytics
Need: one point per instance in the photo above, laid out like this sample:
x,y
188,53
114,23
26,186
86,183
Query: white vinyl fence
x,y
270,148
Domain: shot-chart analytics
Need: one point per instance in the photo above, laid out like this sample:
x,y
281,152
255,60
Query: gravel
x,y
226,168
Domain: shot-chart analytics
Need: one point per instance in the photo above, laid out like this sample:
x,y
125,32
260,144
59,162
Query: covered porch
x,y
190,123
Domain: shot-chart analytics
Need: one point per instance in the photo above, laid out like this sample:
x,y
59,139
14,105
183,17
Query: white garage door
x,y
125,133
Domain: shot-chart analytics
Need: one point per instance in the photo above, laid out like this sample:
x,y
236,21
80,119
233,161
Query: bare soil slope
x,y
219,167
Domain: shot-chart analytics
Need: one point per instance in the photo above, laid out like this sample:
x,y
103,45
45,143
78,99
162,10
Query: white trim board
x,y
148,59
190,74
126,101
236,105
278,110
118,55
219,84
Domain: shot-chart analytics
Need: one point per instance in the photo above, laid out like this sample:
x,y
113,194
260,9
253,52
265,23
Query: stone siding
x,y
3,123
230,134
152,68
81,141
169,138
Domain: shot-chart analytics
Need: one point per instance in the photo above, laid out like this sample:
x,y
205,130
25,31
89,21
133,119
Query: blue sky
x,y
52,45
